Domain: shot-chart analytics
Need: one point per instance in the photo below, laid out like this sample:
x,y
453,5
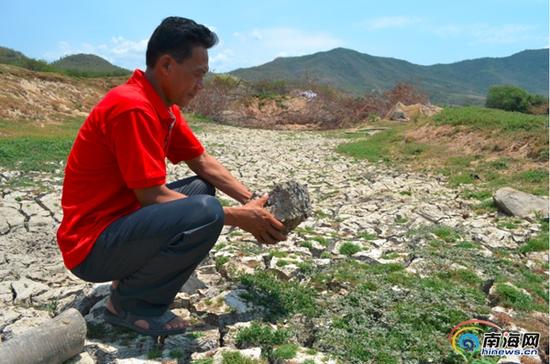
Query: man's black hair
x,y
177,36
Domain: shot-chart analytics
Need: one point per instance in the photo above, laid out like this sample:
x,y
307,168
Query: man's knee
x,y
210,210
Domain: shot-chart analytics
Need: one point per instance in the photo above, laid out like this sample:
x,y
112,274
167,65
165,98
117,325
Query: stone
x,y
283,268
7,317
521,204
86,299
25,289
227,308
193,284
290,203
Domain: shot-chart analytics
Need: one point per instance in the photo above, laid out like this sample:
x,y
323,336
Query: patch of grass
x,y
349,249
278,254
203,361
374,148
366,235
467,245
486,206
500,164
176,354
194,335
96,331
508,224
401,316
321,240
534,176
390,255
234,357
477,195
304,230
325,255
484,118
282,263
281,298
260,335
446,233
154,353
401,220
306,267
285,352
414,149
33,153
221,260
537,243
306,244
509,296
224,202
320,214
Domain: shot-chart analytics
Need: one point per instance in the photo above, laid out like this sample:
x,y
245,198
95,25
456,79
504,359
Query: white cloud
x,y
119,51
391,22
241,49
260,45
481,33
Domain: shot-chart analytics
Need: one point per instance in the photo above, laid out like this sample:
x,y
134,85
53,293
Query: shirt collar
x,y
164,112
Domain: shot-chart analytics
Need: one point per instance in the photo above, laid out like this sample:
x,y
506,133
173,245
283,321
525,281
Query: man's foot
x,y
177,323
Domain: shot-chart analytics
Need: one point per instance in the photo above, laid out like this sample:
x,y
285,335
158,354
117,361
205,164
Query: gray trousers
x,y
154,250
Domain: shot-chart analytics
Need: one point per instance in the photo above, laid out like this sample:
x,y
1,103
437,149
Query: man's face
x,y
184,80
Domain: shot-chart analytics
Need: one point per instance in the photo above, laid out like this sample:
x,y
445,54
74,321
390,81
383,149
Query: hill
x,y
48,96
11,56
87,65
465,82
90,64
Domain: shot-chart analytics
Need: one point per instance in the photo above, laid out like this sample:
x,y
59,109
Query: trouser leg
x,y
153,251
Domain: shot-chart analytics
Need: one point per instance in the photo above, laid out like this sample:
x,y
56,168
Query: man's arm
x,y
156,194
211,170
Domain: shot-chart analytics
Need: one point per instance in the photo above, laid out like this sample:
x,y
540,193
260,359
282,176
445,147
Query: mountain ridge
x,y
462,82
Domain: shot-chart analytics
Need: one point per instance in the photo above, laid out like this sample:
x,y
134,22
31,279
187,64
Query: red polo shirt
x,y
121,146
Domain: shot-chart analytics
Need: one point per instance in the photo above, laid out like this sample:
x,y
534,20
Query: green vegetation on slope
x,y
465,82
80,65
485,169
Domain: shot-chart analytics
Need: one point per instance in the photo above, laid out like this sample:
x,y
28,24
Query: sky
x,y
251,33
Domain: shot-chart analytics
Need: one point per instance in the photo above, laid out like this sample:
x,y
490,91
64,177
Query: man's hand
x,y
255,219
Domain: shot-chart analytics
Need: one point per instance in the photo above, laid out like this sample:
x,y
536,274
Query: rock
x,y
227,308
401,112
283,268
6,294
193,284
82,358
87,298
290,203
25,289
201,340
304,355
7,317
521,204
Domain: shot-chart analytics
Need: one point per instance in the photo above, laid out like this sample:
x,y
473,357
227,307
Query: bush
x,y
508,98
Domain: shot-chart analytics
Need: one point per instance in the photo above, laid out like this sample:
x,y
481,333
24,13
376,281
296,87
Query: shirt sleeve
x,y
136,140
183,144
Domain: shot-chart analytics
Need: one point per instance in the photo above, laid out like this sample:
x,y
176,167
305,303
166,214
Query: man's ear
x,y
164,63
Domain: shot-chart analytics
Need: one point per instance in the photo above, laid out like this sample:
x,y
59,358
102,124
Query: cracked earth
x,y
351,199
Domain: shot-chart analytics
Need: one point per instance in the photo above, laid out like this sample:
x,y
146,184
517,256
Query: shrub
x,y
508,98
260,335
349,249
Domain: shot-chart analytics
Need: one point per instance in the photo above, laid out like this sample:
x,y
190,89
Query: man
x,y
121,222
